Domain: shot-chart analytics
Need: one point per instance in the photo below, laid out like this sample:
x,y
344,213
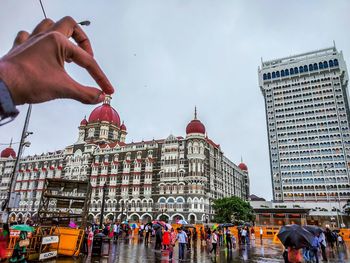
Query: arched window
x,y
273,75
311,68
301,69
315,66
269,75
325,64
286,72
336,62
291,71
305,69
264,76
331,64
277,74
282,73
295,70
320,65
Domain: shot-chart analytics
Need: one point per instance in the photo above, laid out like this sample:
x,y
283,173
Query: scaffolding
x,y
64,201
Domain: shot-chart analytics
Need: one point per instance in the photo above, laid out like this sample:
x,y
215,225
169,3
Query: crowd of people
x,y
165,237
317,250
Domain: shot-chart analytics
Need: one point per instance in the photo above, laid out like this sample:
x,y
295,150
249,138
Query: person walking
x,y
148,230
166,239
323,244
294,255
189,236
115,231
159,236
213,241
329,238
183,239
247,236
20,250
261,233
228,238
315,245
252,233
243,235
203,236
90,239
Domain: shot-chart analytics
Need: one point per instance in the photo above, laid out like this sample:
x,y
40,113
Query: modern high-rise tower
x,y
307,115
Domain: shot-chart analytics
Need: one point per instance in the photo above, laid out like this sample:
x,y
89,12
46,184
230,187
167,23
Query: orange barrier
x,y
345,233
70,241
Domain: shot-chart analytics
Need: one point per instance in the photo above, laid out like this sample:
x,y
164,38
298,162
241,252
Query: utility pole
x,y
12,196
103,204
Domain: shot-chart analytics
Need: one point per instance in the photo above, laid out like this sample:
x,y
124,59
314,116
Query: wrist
x,y
7,76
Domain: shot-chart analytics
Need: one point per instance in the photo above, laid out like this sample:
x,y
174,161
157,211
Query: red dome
x,y
105,113
84,122
123,127
195,126
6,153
243,167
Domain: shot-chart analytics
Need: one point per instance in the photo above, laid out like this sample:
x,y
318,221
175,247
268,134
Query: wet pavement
x,y
134,251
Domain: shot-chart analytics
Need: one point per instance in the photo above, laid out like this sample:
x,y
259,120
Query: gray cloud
x,y
164,57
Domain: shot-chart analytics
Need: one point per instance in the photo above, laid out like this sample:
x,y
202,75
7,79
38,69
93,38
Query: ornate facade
x,y
174,178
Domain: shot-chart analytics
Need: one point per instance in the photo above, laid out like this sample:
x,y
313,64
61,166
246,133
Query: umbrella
x,y
295,236
182,222
125,222
25,228
226,225
313,229
162,223
156,226
133,225
168,226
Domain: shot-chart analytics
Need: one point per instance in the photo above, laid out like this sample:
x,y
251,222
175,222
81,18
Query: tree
x,y
232,209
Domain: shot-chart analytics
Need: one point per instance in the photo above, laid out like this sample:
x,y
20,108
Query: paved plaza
x,y
134,251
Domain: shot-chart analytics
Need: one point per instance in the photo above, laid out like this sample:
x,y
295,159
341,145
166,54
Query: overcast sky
x,y
165,57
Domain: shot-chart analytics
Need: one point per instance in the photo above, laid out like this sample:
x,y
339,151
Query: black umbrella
x,y
313,229
295,236
156,226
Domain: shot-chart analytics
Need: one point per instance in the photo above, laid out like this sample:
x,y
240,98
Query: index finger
x,y
85,60
70,28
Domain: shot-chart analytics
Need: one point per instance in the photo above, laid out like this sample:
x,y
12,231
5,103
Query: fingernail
x,y
101,97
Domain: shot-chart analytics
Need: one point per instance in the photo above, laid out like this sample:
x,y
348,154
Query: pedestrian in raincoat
x,y
166,239
19,251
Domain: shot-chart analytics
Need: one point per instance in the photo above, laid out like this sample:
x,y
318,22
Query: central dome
x,y
105,113
195,126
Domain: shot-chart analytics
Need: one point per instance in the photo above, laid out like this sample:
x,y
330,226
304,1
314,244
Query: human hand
x,y
33,70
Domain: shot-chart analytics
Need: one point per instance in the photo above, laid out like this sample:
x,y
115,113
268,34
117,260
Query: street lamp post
x,y
103,204
12,194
